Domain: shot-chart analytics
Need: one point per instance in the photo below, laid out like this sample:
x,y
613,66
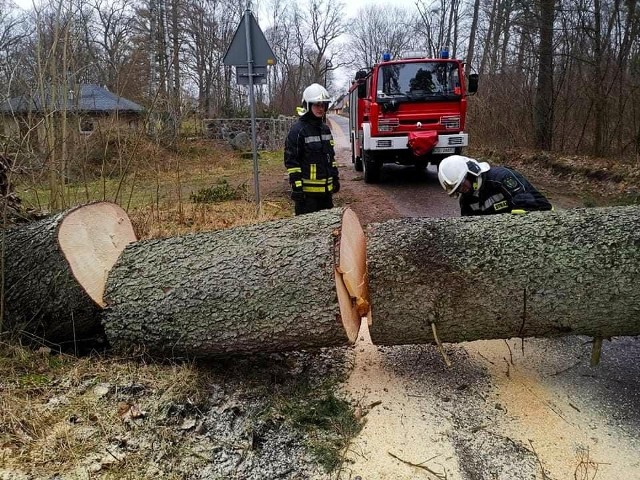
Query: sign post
x,y
250,53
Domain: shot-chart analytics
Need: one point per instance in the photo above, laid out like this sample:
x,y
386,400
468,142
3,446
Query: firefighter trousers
x,y
313,203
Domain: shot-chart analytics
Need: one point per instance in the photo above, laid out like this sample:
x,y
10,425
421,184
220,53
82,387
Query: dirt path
x,y
505,410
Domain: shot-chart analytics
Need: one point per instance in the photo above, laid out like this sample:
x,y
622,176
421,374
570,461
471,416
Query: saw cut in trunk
x,y
55,270
284,285
543,274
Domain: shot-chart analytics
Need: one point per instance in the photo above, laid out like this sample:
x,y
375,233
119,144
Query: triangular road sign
x,y
237,53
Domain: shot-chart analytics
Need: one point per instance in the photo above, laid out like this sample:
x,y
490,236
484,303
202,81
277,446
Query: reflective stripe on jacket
x,y
309,155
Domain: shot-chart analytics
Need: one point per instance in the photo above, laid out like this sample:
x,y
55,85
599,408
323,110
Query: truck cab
x,y
409,111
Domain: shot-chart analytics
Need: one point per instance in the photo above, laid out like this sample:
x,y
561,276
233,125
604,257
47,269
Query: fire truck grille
x,y
450,122
388,124
384,143
455,141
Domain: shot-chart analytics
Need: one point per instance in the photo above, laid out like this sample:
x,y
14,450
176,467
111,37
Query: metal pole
x,y
252,107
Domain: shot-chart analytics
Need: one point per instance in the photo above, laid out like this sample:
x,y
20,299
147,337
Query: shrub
x,y
222,192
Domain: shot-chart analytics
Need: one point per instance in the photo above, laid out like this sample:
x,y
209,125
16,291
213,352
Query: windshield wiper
x,y
421,95
383,96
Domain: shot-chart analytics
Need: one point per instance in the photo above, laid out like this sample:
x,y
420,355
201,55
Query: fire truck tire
x,y
357,161
371,167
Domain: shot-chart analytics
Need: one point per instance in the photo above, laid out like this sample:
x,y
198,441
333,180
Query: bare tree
x,y
439,25
109,26
304,39
376,30
202,48
500,18
283,36
544,91
596,96
13,30
53,48
472,37
556,74
324,20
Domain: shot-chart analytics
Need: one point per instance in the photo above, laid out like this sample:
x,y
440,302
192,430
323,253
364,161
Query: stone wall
x,y
270,132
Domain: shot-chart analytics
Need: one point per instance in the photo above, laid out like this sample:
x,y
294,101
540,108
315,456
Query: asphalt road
x,y
412,194
533,409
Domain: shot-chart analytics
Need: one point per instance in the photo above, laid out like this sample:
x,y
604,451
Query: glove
x,y
295,180
295,177
336,184
297,195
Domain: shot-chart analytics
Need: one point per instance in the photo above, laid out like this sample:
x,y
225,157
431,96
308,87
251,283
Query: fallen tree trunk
x,y
289,284
55,270
542,274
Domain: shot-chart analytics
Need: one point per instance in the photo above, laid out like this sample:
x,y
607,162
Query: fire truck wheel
x,y
371,167
357,161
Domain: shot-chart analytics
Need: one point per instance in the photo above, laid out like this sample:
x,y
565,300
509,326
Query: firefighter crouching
x,y
309,155
487,190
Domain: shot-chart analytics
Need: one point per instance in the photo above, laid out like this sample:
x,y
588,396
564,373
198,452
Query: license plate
x,y
444,150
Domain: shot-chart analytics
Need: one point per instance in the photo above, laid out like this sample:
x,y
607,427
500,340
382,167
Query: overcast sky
x,y
352,6
342,77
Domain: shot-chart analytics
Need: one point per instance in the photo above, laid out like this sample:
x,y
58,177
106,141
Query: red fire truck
x,y
409,111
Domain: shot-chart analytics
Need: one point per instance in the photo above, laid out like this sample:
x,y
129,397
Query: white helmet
x,y
454,169
315,93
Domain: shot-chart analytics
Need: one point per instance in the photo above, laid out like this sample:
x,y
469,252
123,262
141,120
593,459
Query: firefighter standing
x,y
309,156
486,190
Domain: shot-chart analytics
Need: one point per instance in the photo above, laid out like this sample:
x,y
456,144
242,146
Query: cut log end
x,y
91,238
351,274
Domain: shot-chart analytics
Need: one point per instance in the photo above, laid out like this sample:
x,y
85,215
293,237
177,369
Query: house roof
x,y
90,98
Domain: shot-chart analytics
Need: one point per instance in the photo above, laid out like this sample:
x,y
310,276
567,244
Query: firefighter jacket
x,y
501,190
309,156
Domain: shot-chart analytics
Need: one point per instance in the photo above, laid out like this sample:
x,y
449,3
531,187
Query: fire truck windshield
x,y
425,80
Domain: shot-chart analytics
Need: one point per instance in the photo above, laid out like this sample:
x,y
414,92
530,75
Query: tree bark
x,y
472,38
544,109
543,274
289,284
55,270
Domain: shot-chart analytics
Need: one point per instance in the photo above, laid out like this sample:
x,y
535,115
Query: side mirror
x,y
472,86
362,89
361,76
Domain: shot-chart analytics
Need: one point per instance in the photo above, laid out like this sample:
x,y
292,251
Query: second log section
x,y
545,274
